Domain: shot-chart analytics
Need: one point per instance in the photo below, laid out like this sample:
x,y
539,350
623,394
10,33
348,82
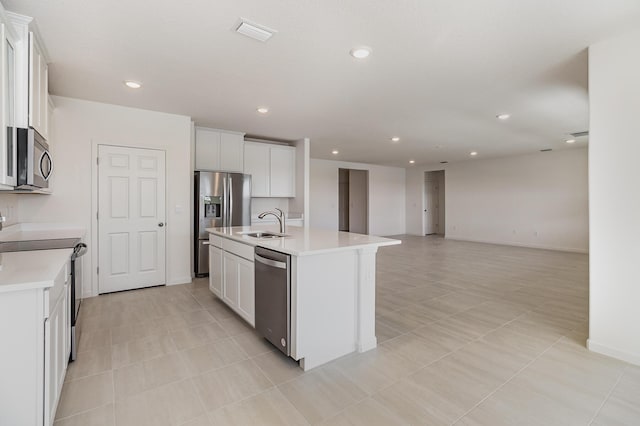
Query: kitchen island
x,y
332,286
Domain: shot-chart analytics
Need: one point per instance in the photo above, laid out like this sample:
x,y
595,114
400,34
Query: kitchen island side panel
x,y
324,307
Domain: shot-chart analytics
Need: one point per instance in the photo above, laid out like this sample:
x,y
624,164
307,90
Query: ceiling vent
x,y
578,134
254,31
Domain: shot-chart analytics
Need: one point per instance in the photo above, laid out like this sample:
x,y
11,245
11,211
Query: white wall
x,y
538,200
386,196
77,126
9,207
614,197
300,203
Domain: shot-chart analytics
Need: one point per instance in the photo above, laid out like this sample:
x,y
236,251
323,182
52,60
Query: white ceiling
x,y
439,73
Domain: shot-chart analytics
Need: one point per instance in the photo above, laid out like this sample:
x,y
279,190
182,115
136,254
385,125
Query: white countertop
x,y
25,270
303,242
40,231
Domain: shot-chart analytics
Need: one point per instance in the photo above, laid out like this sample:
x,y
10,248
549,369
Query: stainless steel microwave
x,y
34,160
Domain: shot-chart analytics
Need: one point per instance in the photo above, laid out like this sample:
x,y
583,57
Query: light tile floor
x,y
470,334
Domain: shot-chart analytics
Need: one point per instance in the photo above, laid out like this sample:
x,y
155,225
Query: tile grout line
x,y
458,349
606,398
202,404
58,419
113,386
507,381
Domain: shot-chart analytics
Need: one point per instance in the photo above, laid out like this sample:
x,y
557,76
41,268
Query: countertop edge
x,y
265,244
10,288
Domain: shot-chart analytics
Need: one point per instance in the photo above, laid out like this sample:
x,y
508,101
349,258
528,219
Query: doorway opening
x,y
434,203
353,200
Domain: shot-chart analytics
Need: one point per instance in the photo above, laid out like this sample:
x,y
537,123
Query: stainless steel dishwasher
x,y
273,297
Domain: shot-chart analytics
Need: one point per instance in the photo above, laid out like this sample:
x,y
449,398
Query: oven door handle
x,y
79,250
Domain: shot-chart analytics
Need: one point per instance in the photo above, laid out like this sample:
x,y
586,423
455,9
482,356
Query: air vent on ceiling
x,y
255,31
578,134
546,150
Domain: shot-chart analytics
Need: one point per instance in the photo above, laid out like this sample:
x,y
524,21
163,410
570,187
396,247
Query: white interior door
x,y
431,205
131,218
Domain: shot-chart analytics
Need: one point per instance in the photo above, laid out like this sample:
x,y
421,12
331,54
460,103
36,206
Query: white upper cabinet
x,y
272,169
8,108
38,88
231,152
219,150
283,171
256,164
207,149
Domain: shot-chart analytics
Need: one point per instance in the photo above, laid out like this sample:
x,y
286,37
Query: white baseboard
x,y
514,244
176,281
613,353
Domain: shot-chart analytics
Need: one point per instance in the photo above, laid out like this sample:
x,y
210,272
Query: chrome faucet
x,y
279,215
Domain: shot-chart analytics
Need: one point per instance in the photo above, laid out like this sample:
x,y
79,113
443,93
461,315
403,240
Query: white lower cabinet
x,y
231,278
246,290
34,324
56,354
215,270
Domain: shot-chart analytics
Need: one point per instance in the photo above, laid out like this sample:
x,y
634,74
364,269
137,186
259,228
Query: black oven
x,y
34,165
76,293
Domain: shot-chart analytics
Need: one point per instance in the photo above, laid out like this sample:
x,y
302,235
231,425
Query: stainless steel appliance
x,y
221,199
79,250
34,163
76,293
273,297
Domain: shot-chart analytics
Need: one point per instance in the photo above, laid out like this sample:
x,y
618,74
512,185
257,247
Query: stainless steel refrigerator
x,y
221,199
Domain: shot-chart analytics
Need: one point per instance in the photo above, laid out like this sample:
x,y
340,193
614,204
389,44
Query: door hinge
x,y
98,270
97,161
97,216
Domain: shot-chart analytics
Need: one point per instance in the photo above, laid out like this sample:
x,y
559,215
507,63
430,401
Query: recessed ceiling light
x,y
473,153
360,52
570,140
412,161
395,139
263,110
335,152
133,84
503,116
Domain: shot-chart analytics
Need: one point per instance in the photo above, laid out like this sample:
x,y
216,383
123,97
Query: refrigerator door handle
x,y
230,202
225,203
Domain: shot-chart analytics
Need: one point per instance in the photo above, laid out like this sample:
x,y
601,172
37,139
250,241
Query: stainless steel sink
x,y
264,234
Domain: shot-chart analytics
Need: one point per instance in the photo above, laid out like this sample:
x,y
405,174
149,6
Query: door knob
x,y
161,224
